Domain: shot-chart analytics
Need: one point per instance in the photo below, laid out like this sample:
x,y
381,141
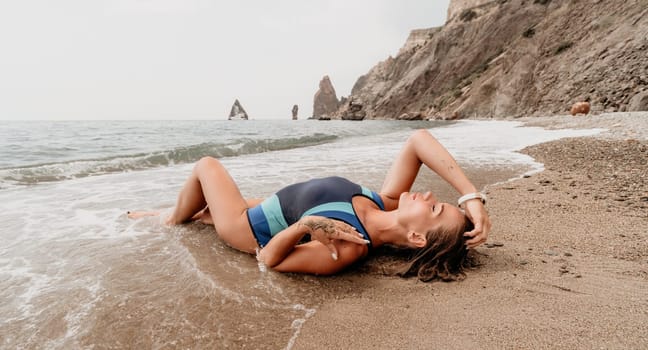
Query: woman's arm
x,y
314,258
423,148
335,245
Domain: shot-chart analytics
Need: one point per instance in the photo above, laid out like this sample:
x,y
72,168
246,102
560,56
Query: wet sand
x,y
566,265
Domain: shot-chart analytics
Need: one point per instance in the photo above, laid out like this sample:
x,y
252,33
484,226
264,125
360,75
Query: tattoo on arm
x,y
325,225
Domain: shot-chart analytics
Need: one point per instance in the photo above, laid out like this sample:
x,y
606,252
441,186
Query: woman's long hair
x,y
445,256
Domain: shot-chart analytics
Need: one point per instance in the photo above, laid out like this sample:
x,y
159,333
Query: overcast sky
x,y
189,59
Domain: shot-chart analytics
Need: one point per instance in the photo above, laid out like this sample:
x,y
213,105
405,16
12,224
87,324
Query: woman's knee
x,y
206,163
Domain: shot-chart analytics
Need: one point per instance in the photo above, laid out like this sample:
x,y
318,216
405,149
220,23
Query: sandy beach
x,y
566,265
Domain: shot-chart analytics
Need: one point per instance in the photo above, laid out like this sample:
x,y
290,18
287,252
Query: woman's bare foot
x,y
141,214
206,218
203,217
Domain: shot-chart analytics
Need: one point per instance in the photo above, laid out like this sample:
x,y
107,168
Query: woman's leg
x,y
202,216
210,184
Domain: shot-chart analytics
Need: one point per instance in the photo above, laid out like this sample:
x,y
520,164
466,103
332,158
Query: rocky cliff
x,y
510,58
457,7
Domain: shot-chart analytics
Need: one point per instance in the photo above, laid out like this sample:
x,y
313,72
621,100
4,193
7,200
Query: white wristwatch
x,y
469,196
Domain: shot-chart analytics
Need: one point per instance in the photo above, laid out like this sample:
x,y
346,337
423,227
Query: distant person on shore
x,y
344,220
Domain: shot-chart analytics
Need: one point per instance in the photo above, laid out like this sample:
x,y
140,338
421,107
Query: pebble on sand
x,y
580,108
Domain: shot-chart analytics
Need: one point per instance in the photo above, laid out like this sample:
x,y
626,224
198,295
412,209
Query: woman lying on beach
x,y
344,220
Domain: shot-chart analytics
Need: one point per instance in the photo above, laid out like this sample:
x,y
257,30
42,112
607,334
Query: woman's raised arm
x,y
423,148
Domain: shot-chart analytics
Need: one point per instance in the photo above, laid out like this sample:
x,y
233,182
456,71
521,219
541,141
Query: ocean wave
x,y
59,171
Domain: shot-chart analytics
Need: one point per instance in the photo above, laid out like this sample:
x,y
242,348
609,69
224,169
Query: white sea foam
x,y
262,266
299,323
496,143
81,310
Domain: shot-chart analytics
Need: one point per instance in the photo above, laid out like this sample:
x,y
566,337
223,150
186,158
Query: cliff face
x,y
515,58
456,7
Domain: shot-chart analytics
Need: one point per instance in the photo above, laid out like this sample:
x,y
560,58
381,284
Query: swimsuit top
x,y
329,197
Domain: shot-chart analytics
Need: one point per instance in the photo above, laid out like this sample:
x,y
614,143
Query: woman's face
x,y
421,212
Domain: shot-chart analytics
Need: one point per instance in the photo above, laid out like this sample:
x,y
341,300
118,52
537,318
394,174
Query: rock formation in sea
x,y
515,58
352,110
325,102
295,111
237,112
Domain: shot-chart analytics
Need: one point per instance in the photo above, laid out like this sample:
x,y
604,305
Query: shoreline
x,y
571,271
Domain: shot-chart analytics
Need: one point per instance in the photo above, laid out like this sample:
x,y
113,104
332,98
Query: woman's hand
x,y
326,230
476,212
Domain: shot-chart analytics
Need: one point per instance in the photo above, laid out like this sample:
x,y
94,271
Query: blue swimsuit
x,y
329,197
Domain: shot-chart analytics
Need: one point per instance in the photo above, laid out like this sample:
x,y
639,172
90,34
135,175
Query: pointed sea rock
x,y
325,102
237,112
295,111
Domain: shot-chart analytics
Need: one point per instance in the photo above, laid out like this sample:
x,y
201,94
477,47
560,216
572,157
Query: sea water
x,y
75,272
